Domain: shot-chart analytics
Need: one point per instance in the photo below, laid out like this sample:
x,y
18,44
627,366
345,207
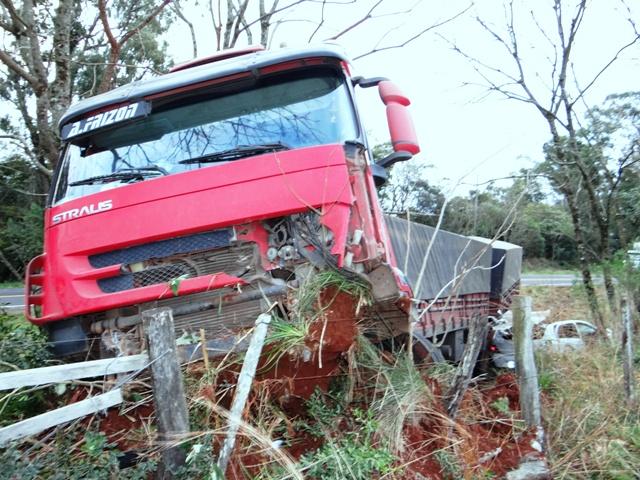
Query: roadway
x,y
554,280
12,299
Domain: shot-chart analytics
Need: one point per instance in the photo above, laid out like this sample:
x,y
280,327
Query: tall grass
x,y
310,290
591,431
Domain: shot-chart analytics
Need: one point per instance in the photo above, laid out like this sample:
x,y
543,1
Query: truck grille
x,y
163,248
236,261
227,319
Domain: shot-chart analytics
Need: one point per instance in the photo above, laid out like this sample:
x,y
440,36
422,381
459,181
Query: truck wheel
x,y
424,351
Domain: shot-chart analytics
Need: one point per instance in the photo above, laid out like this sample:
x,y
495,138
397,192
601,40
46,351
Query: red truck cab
x,y
209,189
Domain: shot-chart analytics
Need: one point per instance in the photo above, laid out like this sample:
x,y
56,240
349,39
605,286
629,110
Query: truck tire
x,y
424,351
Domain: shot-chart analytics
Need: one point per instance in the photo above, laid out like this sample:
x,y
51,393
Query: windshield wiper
x,y
240,151
124,174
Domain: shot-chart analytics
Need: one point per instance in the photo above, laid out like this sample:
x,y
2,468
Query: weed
x,y
591,431
314,285
200,462
546,380
442,372
352,456
501,405
285,338
325,411
174,284
403,397
450,467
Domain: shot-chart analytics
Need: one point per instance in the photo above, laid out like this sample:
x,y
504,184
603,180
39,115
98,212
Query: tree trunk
x,y
609,285
109,74
5,261
585,269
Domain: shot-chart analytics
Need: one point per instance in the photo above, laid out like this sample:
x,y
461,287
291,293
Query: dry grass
x,y
564,302
591,431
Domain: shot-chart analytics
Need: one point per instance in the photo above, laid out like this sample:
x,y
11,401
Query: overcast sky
x,y
464,133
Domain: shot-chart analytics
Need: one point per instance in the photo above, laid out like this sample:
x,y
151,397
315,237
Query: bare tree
x,y
558,108
39,76
116,44
234,21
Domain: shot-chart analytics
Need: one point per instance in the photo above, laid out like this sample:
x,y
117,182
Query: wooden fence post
x,y
168,389
525,362
476,339
627,349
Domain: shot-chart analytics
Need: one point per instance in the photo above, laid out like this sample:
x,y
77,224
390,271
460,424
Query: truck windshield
x,y
286,113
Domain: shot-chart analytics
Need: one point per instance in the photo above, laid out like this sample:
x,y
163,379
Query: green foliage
x,y
20,214
501,405
520,212
354,455
408,189
174,284
625,273
143,55
22,345
443,372
15,465
546,380
450,467
587,412
16,406
201,462
325,410
545,231
286,337
21,237
95,458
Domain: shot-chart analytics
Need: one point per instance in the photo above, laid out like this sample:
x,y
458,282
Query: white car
x,y
557,336
566,335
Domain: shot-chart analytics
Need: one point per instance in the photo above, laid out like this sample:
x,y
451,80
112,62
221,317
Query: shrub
x,y
93,458
352,456
22,345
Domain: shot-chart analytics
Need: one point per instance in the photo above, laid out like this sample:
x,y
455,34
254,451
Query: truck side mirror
x,y
395,157
401,129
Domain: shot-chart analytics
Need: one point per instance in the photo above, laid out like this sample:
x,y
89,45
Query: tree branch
x,y
414,37
15,67
367,16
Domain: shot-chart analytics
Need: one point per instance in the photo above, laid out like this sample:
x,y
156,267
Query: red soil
x,y
481,433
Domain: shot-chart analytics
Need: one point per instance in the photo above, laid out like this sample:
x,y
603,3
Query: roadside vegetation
x,y
380,417
543,266
592,432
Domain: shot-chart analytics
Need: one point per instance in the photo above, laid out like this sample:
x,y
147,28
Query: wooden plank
x,y
525,362
247,374
40,423
72,371
168,389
